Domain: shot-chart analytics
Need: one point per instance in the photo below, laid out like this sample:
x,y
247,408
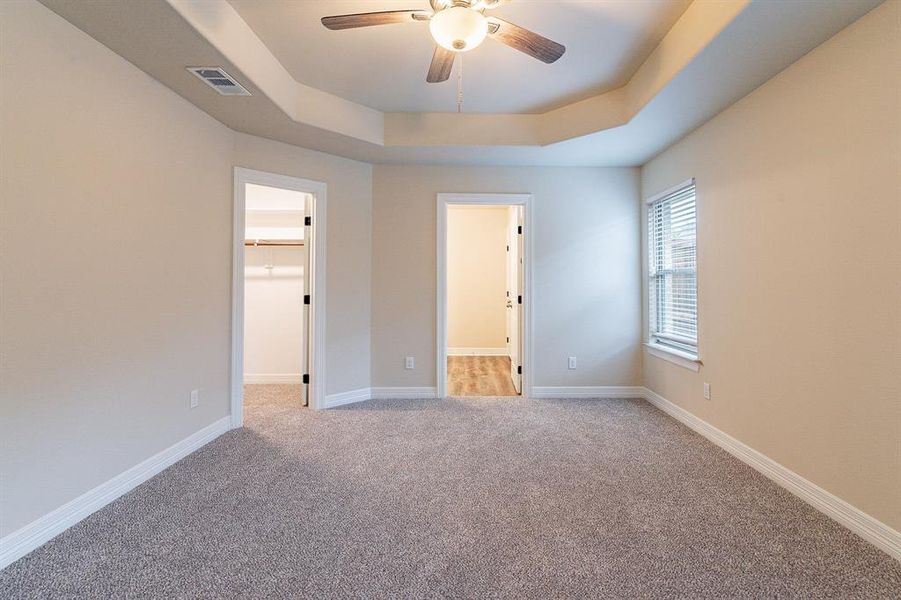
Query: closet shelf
x,y
273,236
260,243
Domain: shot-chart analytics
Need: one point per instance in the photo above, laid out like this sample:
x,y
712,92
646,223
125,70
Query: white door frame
x,y
316,251
515,270
444,202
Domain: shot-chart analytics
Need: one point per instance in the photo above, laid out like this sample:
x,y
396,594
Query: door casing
x,y
315,335
514,275
445,200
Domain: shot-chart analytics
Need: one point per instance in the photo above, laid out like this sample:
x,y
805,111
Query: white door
x,y
514,294
307,297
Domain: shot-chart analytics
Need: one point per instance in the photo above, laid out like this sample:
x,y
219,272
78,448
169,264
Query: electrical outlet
x,y
409,363
706,391
195,398
572,363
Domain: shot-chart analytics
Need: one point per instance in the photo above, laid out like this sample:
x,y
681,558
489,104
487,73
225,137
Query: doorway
x,y
484,303
278,288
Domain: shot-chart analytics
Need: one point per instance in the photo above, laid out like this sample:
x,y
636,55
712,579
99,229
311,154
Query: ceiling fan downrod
x,y
460,87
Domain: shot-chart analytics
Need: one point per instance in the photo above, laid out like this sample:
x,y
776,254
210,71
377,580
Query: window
x,y
672,272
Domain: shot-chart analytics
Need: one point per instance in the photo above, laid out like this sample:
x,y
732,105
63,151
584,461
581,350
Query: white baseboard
x,y
404,392
252,378
22,541
869,528
363,394
342,398
604,391
477,352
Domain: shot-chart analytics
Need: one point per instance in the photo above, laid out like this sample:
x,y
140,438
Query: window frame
x,y
672,353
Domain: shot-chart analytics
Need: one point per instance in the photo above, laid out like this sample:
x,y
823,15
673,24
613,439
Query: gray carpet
x,y
477,498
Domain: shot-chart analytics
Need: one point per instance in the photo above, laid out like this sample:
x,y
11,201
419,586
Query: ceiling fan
x,y
457,26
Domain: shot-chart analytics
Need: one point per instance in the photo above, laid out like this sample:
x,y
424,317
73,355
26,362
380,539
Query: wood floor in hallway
x,y
479,376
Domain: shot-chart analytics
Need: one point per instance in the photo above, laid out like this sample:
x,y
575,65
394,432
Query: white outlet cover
x,y
706,391
195,398
409,362
572,362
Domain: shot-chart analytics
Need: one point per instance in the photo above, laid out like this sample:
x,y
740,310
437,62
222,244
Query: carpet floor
x,y
471,498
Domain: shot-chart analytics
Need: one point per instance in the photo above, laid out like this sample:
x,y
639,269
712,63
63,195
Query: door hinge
x,y
519,299
306,378
508,247
306,298
519,230
508,339
307,221
519,370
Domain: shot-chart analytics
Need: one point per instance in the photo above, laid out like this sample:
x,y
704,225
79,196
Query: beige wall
x,y
477,277
116,238
115,257
799,241
586,269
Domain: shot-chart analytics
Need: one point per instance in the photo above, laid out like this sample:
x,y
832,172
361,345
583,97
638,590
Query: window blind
x,y
672,285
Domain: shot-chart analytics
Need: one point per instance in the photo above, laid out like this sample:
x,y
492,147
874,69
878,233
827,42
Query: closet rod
x,y
272,243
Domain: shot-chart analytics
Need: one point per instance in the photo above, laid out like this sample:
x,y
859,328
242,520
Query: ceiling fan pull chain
x,y
460,86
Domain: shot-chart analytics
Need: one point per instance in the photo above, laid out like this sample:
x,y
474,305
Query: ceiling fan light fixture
x,y
458,28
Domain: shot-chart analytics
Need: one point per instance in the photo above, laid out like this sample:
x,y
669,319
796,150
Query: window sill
x,y
683,359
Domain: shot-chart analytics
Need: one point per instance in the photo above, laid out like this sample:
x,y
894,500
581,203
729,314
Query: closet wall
x,y
349,249
273,286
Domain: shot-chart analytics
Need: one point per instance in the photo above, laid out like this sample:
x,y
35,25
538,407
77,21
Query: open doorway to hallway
x,y
484,300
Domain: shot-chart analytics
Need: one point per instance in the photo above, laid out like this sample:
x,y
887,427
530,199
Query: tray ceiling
x,y
714,53
385,67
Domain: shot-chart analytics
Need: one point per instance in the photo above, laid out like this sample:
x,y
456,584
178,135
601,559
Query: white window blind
x,y
672,285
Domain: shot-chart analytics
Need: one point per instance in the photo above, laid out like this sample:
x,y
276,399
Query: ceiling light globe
x,y
458,28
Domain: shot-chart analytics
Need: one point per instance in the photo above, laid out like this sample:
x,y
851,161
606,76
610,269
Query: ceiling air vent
x,y
219,80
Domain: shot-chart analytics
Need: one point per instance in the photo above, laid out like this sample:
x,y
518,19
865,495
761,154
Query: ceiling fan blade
x,y
442,64
387,17
524,40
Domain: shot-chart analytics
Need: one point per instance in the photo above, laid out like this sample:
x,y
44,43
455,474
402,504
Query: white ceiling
x,y
385,67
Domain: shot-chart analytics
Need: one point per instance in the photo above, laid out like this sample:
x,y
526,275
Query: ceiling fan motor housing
x,y
459,28
474,4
